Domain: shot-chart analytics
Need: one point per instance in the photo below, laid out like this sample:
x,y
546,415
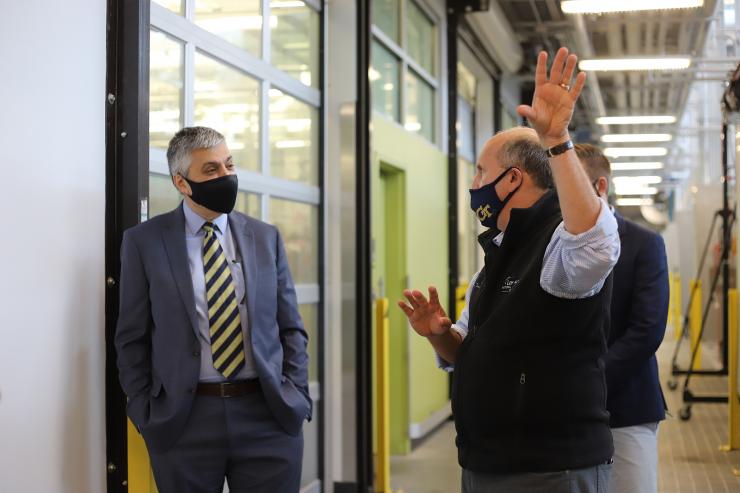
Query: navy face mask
x,y
485,203
218,194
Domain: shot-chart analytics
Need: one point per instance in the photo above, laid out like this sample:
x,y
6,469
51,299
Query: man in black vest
x,y
639,309
528,394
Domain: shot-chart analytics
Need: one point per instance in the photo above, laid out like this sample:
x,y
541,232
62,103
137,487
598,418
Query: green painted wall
x,y
418,387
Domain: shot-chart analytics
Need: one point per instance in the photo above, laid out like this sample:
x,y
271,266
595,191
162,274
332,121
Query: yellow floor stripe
x,y
212,309
232,347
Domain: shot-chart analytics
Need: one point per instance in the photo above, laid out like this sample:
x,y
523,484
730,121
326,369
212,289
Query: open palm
x,y
427,318
554,99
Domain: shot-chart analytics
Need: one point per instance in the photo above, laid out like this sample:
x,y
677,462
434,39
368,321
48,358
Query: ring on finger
x,y
564,86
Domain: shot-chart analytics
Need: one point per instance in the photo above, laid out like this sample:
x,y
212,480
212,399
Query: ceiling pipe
x,y
584,50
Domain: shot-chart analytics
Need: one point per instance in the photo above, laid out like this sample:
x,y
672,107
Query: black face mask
x,y
485,202
218,194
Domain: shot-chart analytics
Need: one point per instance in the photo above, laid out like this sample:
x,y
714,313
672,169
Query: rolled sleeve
x,y
576,266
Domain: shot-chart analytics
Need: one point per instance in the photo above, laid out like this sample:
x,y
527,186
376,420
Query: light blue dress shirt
x,y
194,235
574,266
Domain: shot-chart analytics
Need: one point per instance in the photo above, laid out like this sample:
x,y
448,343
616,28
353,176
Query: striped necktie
x,y
227,342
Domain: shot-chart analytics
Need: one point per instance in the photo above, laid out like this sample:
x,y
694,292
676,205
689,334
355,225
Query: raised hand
x,y
428,318
554,98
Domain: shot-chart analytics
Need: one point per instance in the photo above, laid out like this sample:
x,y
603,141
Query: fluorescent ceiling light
x,y
608,6
634,201
617,64
634,180
635,151
635,120
286,4
636,138
636,190
636,166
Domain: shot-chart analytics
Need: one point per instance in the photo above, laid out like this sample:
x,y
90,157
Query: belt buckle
x,y
222,390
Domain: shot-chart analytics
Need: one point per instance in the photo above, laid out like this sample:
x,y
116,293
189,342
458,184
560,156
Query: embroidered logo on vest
x,y
509,284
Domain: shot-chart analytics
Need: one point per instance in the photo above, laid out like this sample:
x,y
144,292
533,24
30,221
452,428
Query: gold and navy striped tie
x,y
227,342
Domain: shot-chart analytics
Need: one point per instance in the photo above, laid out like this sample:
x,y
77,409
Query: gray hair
x,y
530,156
185,142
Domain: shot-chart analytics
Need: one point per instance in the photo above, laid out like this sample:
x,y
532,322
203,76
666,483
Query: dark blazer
x,y
156,337
639,310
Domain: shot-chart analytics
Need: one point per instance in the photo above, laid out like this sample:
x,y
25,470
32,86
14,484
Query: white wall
x,y
52,148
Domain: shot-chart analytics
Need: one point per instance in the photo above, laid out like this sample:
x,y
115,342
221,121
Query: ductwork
x,y
497,37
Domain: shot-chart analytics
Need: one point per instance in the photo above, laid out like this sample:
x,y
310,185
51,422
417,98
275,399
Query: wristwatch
x,y
560,148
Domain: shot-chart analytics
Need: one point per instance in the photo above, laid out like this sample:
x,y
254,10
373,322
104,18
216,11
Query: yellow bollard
x,y
677,315
732,396
695,322
460,292
140,479
382,405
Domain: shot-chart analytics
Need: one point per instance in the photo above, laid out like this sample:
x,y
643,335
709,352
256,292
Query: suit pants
x,y
234,438
635,459
589,480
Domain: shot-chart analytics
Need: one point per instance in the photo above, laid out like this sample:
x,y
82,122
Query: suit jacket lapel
x,y
622,227
177,254
244,239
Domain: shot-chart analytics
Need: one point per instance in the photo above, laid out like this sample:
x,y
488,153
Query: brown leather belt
x,y
229,389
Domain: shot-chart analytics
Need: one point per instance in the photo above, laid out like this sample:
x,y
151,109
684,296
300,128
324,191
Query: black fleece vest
x,y
528,392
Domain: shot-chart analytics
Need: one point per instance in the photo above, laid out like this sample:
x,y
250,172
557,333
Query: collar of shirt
x,y
498,239
194,223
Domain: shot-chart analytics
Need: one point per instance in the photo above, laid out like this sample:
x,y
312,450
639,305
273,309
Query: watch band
x,y
560,148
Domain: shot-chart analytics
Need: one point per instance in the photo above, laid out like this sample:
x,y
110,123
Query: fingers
x,y
570,66
409,296
527,112
556,71
406,309
433,296
540,74
578,86
419,298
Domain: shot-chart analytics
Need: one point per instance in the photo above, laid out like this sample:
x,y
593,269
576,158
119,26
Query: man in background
x,y
639,309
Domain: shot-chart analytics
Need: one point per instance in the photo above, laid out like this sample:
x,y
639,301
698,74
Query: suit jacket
x,y
156,337
639,309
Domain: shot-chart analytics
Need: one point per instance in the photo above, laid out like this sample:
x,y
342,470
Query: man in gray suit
x,y
211,348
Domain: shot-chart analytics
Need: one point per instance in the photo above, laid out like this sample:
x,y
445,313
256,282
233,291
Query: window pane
x,y
466,84
294,152
385,15
249,204
237,21
228,101
295,40
163,196
419,106
173,5
299,226
420,38
465,130
310,317
385,80
165,89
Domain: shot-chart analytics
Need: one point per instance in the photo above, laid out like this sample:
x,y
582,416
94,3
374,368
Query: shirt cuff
x,y
444,364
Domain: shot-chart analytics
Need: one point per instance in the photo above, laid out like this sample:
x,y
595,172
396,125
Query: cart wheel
x,y
685,413
672,384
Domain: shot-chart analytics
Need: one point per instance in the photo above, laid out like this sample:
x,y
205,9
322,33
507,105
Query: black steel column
x,y
127,164
364,279
452,258
726,242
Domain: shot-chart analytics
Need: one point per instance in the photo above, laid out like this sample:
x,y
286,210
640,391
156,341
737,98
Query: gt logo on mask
x,y
484,213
